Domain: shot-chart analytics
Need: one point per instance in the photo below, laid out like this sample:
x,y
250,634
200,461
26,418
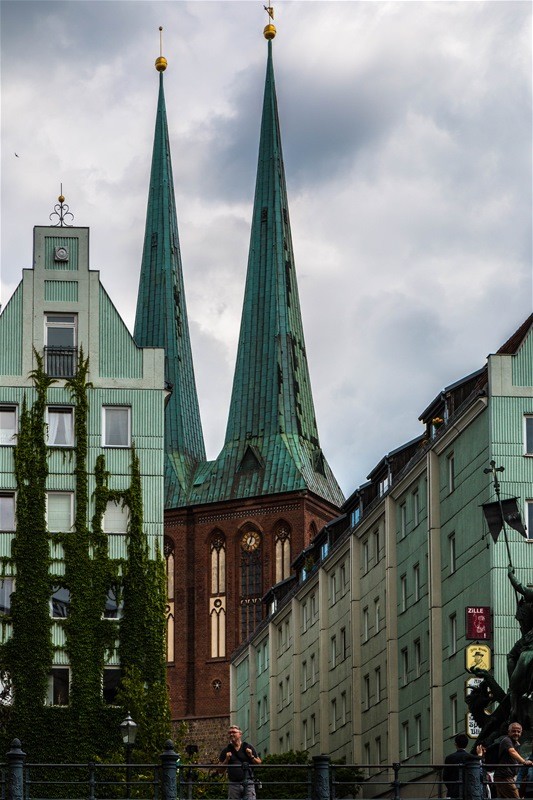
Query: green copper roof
x,y
161,318
271,440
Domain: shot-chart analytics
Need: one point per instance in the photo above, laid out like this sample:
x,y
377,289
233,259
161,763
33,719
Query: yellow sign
x,y
478,655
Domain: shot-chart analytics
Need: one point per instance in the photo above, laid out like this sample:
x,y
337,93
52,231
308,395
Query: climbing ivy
x,y
87,728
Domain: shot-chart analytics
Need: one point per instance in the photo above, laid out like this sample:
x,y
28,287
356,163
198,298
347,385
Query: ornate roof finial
x,y
270,29
160,62
61,211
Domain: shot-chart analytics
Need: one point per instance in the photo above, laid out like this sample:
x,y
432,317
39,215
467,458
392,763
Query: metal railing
x,y
60,362
171,780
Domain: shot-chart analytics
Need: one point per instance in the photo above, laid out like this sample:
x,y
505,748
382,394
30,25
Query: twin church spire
x,y
271,442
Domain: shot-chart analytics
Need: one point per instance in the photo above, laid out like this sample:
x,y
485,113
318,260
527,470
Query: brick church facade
x,y
234,525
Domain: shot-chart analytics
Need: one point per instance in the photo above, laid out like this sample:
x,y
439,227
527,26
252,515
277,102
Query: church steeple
x,y
161,318
271,442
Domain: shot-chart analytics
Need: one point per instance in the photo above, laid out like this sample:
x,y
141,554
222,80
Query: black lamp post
x,y
128,730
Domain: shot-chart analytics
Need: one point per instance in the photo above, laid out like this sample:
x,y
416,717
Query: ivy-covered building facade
x,y
82,596
363,653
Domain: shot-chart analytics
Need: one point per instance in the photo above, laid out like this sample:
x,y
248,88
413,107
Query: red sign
x,y
478,622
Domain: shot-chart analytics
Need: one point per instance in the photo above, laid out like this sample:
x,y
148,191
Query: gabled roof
x,y
271,429
512,345
161,318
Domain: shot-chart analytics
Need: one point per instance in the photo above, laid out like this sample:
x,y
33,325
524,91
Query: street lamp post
x,y
128,729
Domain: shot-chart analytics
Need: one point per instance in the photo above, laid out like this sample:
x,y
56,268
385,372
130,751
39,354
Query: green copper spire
x,y
271,440
161,318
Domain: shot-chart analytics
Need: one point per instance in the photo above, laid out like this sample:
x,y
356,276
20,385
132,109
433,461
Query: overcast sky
x,y
407,138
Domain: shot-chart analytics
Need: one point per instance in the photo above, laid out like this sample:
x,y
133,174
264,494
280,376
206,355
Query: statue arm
x,y
523,590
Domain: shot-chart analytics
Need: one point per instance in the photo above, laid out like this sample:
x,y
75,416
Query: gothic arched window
x,y
168,552
282,540
217,601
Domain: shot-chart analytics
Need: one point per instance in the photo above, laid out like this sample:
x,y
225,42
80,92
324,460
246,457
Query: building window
x,y
283,552
418,733
60,421
453,634
59,511
333,715
377,674
366,559
403,593
528,435
377,622
116,518
111,680
451,473
365,624
343,576
418,658
7,511
416,508
416,578
288,689
305,617
453,713
529,519
405,666
8,425
379,755
375,537
168,551
313,728
313,668
366,692
305,740
453,553
403,521
344,708
58,686
113,603
343,647
7,587
333,652
324,550
60,345
305,677
333,588
312,607
405,740
218,563
59,603
116,426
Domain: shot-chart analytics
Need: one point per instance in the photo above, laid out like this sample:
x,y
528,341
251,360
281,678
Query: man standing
x,y
509,757
462,771
236,755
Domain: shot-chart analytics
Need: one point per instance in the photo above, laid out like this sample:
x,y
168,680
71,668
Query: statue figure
x,y
520,657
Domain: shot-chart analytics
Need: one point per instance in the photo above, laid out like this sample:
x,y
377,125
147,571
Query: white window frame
x,y
66,411
9,439
528,434
418,658
405,740
50,690
70,323
12,497
377,674
416,508
403,593
452,546
405,666
416,580
453,634
366,624
333,651
377,621
403,520
366,556
119,606
451,472
55,590
7,587
366,692
125,515
107,408
70,496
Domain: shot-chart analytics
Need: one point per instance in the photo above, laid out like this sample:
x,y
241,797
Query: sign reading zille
x,y
478,655
478,622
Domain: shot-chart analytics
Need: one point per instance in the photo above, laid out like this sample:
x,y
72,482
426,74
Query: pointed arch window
x,y
282,544
251,580
168,551
217,602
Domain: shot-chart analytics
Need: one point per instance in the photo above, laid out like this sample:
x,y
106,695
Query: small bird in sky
x,y
17,155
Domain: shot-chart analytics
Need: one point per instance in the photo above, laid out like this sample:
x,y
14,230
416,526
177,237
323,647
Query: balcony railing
x,y
60,362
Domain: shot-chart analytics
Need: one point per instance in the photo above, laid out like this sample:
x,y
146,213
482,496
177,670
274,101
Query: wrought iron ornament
x,y
61,211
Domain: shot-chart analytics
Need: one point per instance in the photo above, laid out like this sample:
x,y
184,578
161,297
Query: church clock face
x,y
250,541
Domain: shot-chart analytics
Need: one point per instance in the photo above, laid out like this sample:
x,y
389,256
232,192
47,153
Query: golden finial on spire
x,y
270,29
161,62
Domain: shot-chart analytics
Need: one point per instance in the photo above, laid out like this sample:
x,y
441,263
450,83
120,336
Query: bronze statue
x,y
520,657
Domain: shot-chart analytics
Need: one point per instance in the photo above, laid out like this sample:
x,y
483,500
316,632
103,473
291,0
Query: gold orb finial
x,y
270,29
161,63
61,197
